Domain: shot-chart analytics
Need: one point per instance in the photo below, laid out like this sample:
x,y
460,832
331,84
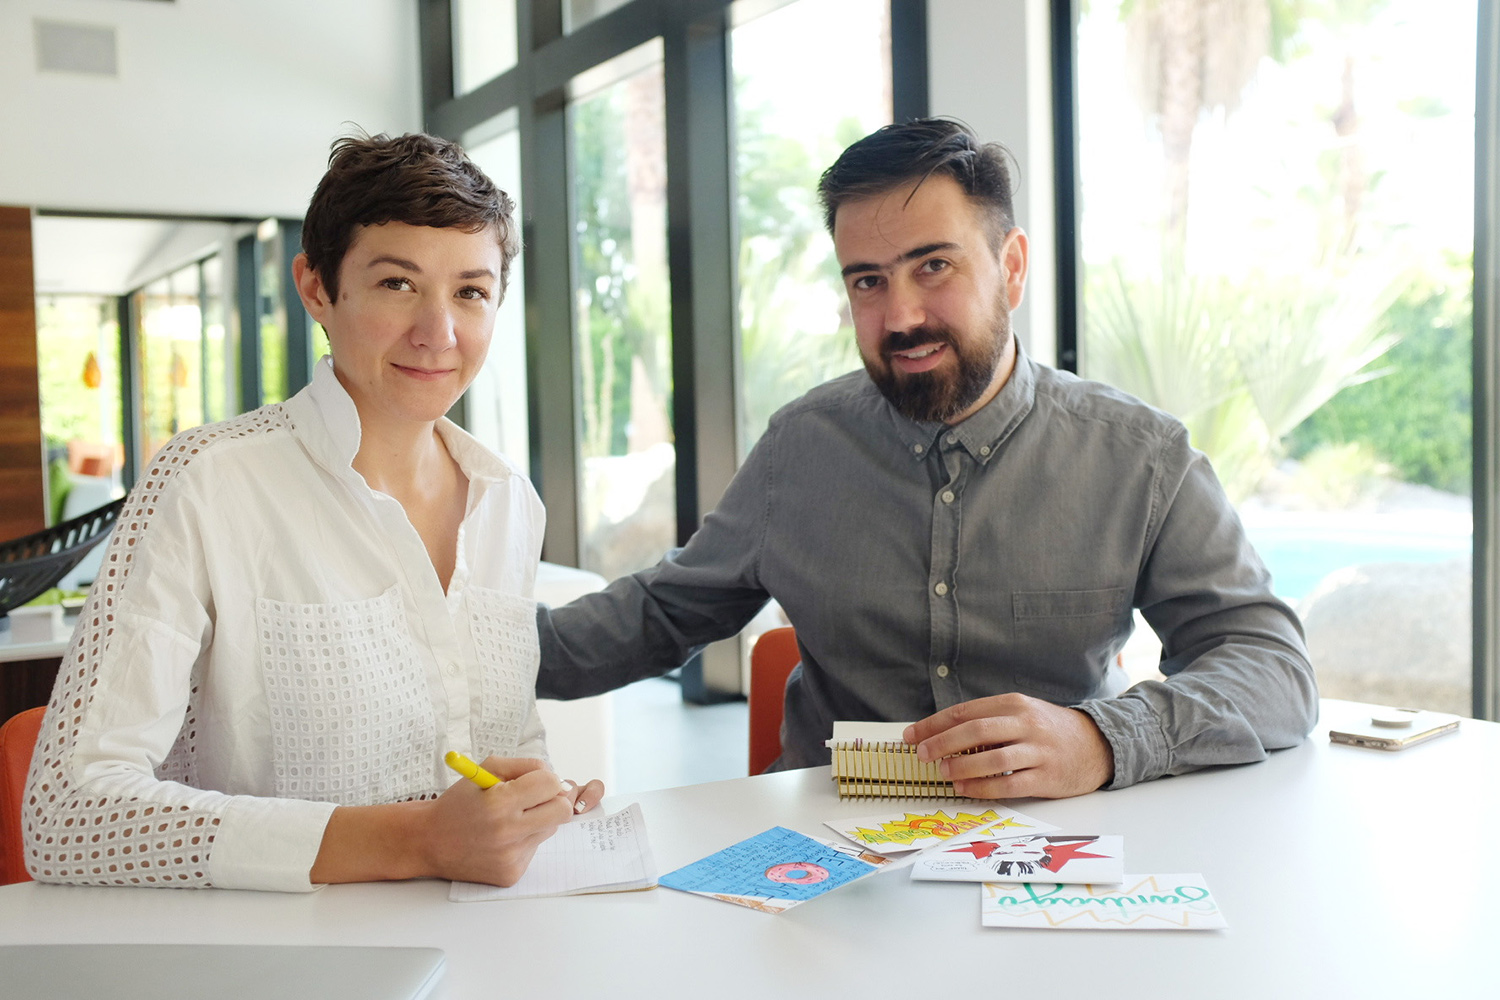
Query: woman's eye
x,y
396,284
473,292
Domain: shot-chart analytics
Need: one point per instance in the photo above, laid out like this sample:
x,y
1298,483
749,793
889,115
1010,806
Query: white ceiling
x,y
108,256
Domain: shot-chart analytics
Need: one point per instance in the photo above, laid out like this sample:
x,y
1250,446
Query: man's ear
x,y
1013,262
310,288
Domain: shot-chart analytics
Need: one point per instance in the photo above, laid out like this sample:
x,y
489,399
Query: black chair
x,y
32,564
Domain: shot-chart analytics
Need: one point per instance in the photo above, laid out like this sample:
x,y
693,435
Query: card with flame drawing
x,y
900,830
1014,857
1140,902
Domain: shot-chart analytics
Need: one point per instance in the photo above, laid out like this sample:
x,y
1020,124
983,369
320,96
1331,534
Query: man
x,y
960,533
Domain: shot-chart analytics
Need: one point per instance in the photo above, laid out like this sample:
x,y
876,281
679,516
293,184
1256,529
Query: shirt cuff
x,y
268,844
1135,738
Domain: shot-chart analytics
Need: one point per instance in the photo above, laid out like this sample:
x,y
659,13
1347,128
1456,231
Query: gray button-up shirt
x,y
925,565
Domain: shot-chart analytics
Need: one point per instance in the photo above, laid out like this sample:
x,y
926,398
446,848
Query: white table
x,y
1342,872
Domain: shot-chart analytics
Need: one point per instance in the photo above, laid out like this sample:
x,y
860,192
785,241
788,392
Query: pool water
x,y
1300,557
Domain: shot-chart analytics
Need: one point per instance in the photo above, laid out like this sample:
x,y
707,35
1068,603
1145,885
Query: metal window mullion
x,y
1486,417
128,318
701,259
247,261
299,351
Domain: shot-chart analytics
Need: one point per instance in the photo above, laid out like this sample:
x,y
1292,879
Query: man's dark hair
x,y
417,179
913,151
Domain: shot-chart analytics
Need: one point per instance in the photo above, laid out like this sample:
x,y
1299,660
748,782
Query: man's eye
x,y
934,265
865,282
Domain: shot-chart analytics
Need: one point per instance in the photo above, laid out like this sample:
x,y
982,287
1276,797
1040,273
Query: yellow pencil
x,y
471,770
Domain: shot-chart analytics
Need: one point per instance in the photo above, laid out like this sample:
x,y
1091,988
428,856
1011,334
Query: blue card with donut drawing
x,y
771,871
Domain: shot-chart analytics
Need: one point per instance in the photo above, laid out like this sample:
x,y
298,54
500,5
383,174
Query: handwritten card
x,y
1141,902
1027,858
900,830
771,871
592,853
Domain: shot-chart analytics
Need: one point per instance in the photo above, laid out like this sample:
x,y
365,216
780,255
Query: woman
x,y
303,608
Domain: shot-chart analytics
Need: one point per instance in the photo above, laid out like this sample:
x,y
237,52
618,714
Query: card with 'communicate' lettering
x,y
1141,902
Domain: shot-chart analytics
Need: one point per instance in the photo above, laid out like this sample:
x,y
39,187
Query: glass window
x,y
78,340
171,363
1277,243
216,369
627,502
795,330
484,41
577,13
497,401
273,329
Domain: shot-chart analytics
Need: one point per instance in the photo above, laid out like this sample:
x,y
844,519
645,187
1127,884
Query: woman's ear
x,y
311,289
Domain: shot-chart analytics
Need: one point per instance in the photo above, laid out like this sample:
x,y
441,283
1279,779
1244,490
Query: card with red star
x,y
1012,857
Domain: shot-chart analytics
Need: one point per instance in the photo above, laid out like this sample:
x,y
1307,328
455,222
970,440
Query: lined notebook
x,y
593,853
871,760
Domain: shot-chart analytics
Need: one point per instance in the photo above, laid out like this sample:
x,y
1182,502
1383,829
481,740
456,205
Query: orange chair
x,y
17,741
771,660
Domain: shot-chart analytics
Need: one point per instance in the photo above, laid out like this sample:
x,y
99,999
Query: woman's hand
x,y
582,798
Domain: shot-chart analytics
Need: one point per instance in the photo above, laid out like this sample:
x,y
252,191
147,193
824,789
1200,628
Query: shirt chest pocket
x,y
505,642
1065,640
350,713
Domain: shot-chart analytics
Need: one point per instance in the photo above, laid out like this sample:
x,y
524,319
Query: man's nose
x,y
903,307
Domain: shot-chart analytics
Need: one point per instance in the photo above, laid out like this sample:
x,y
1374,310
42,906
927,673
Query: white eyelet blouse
x,y
267,639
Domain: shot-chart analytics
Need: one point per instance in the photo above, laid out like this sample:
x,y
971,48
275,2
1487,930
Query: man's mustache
x,y
917,336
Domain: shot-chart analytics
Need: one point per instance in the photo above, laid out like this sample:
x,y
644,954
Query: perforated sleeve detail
x,y
126,827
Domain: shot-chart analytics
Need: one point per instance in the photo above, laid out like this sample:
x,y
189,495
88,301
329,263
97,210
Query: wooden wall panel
x,y
22,486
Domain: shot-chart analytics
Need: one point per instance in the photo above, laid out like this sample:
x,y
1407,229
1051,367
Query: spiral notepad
x,y
871,760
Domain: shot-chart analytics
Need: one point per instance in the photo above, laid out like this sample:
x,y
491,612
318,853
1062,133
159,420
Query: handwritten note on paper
x,y
771,871
1141,902
900,830
605,853
1027,858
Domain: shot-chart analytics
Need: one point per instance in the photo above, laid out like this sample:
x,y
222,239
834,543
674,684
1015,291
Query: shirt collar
x,y
982,433
329,428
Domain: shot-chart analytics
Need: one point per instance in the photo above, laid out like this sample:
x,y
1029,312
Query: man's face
x,y
413,320
930,296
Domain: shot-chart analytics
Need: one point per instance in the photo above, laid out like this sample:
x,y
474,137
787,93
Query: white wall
x,y
220,107
990,65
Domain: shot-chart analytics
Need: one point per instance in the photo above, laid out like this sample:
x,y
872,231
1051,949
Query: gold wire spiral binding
x,y
889,769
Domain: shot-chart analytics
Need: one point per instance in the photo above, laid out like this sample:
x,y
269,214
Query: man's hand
x,y
1043,750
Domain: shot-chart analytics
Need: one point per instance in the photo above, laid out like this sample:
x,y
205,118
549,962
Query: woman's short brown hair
x,y
417,179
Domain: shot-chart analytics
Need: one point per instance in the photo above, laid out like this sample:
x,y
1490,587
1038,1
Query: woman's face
x,y
413,320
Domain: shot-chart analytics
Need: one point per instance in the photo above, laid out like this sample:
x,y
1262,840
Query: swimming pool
x,y
1300,556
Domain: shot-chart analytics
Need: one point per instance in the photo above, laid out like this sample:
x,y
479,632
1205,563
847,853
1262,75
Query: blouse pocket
x,y
505,639
1065,638
350,712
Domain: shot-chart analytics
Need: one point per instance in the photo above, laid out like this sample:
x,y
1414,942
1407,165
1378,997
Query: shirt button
x,y
952,438
941,588
942,670
984,450
453,670
947,496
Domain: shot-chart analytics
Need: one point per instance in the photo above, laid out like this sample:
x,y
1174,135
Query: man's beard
x,y
935,396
